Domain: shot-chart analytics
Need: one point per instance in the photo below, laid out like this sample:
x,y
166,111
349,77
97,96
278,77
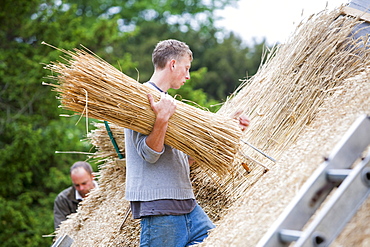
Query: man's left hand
x,y
243,120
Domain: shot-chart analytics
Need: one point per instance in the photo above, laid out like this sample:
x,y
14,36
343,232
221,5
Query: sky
x,y
275,20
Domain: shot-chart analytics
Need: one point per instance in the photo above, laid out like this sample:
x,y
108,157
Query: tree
x,y
30,127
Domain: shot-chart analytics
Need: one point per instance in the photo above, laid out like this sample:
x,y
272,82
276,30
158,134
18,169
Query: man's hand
x,y
164,108
191,160
243,120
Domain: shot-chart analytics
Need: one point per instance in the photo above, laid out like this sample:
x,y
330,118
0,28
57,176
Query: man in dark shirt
x,y
67,201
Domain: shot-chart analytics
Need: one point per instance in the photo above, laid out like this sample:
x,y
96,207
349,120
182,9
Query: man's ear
x,y
172,64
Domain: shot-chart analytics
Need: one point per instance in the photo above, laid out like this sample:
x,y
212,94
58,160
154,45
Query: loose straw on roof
x,y
87,83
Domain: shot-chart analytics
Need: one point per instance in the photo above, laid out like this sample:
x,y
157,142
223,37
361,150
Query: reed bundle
x,y
89,85
300,102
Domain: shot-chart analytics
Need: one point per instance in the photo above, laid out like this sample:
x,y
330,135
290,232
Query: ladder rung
x,y
337,175
288,236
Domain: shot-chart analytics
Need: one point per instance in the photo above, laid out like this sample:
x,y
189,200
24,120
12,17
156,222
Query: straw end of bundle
x,y
44,43
56,48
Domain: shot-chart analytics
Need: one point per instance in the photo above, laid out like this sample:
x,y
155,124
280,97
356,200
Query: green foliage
x,y
31,174
123,33
227,62
195,97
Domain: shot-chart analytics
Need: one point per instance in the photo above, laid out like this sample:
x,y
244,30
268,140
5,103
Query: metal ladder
x,y
352,189
63,241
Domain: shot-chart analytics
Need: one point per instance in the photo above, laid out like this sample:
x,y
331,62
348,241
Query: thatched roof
x,y
251,216
300,102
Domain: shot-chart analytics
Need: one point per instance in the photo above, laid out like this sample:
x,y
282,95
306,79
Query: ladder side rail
x,y
296,214
352,144
317,187
63,241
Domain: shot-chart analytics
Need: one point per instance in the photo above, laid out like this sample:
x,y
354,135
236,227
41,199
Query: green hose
x,y
113,140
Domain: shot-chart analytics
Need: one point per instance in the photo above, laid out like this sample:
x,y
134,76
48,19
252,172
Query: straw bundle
x,y
300,103
90,86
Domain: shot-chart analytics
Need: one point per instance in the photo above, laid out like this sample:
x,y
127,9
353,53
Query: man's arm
x,y
163,110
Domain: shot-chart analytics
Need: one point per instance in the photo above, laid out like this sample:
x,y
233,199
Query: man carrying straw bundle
x,y
157,180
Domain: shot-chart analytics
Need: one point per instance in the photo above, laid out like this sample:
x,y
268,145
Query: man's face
x,y
181,72
82,181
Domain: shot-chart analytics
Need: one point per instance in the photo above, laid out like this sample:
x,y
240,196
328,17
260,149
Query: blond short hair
x,y
169,49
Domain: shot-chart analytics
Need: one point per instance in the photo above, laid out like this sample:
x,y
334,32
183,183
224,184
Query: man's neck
x,y
159,78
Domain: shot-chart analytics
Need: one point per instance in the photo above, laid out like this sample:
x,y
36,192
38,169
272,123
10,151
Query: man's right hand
x,y
163,110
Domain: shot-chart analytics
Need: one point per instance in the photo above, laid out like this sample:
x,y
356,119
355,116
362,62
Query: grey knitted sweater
x,y
153,176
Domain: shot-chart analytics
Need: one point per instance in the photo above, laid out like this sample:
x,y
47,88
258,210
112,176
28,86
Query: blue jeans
x,y
175,230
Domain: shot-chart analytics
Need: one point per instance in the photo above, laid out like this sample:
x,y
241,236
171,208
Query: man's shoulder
x,y
67,193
